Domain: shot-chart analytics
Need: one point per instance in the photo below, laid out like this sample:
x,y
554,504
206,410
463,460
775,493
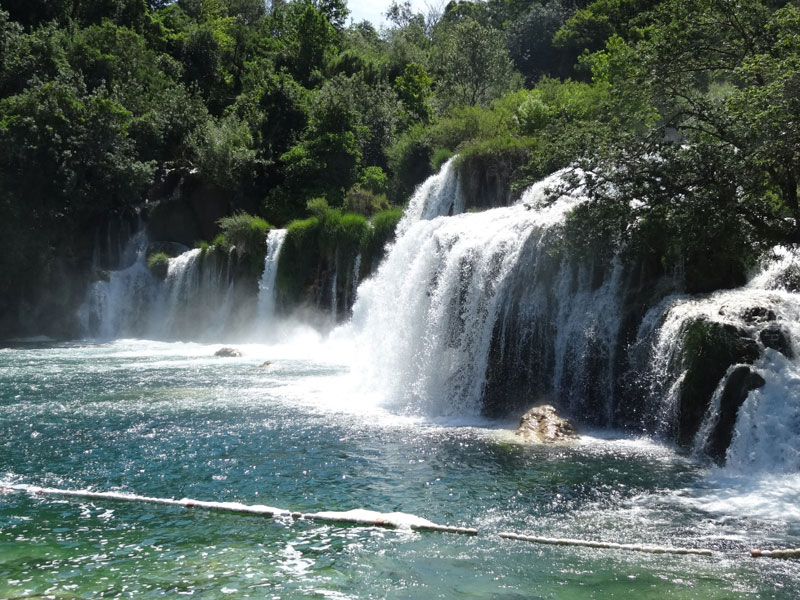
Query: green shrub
x,y
158,263
220,242
246,232
318,207
204,247
352,230
381,232
364,202
440,156
410,161
374,180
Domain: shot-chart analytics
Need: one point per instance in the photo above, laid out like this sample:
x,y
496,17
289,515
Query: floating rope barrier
x,y
394,520
790,553
609,545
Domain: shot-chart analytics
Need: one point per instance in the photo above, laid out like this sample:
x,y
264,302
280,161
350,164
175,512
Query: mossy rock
x,y
709,349
158,264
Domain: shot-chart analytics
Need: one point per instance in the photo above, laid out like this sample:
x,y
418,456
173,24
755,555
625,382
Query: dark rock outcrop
x,y
741,381
185,209
709,349
758,314
777,337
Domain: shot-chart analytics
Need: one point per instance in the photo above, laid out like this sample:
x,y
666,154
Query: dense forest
x,y
684,116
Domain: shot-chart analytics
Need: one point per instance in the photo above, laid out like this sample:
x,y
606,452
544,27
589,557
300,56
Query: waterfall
x,y
117,307
437,196
425,322
266,287
196,300
764,429
486,312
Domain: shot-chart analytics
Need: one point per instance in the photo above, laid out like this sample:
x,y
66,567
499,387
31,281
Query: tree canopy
x,y
690,108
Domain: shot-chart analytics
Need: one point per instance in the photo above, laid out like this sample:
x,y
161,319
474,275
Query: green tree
x,y
714,178
472,65
414,90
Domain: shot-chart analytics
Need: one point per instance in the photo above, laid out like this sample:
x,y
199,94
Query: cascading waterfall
x,y
117,307
439,195
199,299
266,287
424,323
766,314
482,312
486,312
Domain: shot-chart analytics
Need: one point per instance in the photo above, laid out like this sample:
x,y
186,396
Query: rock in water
x,y
542,423
228,352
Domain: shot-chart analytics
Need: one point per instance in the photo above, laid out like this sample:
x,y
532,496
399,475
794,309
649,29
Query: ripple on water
x,y
171,420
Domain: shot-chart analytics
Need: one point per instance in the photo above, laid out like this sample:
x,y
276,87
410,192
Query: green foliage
x,y
503,153
220,242
158,263
364,202
414,90
223,153
245,232
561,103
440,156
472,65
710,173
381,233
589,28
375,180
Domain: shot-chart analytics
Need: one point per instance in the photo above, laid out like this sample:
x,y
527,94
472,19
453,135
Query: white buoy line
x,y
371,518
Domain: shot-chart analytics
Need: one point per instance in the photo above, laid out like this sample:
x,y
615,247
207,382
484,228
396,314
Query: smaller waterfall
x,y
266,287
767,317
117,306
334,296
439,195
198,299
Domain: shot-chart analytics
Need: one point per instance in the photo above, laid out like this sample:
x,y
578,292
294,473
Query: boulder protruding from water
x,y
228,352
543,424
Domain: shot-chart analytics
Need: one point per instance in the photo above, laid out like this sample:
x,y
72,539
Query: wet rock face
x,y
777,337
741,381
758,314
709,349
543,424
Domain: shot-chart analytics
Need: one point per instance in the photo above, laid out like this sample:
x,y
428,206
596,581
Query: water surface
x,y
172,420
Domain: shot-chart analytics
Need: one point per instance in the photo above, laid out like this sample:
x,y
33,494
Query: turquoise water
x,y
171,420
